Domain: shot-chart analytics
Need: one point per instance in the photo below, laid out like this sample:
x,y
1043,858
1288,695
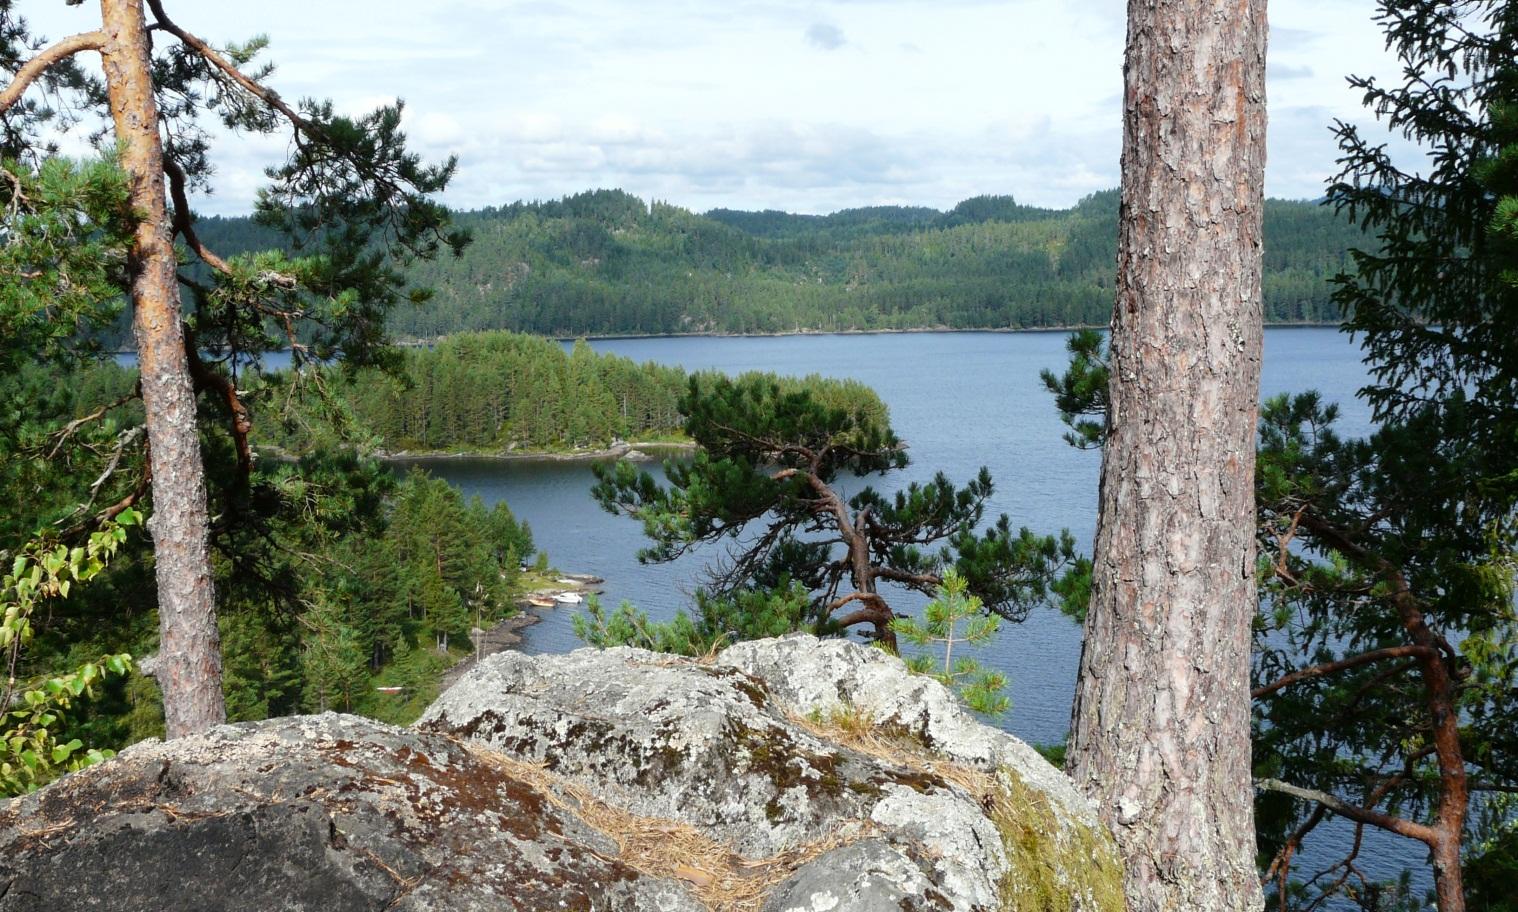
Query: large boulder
x,y
896,796
791,775
323,813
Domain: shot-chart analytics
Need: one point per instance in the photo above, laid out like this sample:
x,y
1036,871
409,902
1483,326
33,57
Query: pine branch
x,y
1328,668
35,67
1354,812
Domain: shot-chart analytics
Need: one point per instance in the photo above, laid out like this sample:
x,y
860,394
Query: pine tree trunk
x,y
189,664
1160,731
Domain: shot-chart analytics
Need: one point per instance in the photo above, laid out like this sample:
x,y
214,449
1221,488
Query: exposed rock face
x,y
790,775
702,744
323,813
825,676
780,745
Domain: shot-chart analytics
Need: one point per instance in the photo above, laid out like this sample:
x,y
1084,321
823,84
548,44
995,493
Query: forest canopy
x,y
492,392
605,262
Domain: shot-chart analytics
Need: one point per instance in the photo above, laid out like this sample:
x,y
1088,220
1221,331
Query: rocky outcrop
x,y
324,813
786,776
793,745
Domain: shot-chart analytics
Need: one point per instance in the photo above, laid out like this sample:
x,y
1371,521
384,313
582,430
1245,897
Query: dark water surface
x,y
960,400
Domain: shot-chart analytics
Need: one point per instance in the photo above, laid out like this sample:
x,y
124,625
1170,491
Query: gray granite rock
x,y
805,775
809,675
865,876
323,813
701,744
740,750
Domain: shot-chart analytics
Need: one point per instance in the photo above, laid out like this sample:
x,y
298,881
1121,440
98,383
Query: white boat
x,y
569,598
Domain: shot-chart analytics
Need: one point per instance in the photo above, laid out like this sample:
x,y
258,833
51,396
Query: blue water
x,y
960,400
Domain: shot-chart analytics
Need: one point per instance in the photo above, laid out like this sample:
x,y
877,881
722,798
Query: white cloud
x,y
718,104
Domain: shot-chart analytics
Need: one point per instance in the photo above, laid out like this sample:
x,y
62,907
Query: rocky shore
x,y
506,634
638,451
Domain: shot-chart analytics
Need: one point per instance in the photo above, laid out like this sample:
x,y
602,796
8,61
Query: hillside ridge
x,y
605,263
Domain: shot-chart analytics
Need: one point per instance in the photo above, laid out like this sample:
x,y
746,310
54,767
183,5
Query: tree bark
x,y
189,648
1160,728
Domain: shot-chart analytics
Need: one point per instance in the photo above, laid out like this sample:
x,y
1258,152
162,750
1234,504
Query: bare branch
x,y
124,440
182,223
32,69
63,436
240,421
1328,668
1401,827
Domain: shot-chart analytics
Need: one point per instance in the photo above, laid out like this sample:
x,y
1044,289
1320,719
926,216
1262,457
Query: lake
x,y
960,400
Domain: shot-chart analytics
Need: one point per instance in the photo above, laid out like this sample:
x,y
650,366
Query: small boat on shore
x,y
538,601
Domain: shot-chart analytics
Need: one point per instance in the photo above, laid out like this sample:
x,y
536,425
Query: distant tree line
x,y
498,391
606,262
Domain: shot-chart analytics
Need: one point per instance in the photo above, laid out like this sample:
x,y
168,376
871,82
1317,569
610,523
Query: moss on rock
x,y
1054,862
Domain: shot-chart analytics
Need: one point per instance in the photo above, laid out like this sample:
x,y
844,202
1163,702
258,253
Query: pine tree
x,y
1160,727
765,479
350,183
333,661
981,689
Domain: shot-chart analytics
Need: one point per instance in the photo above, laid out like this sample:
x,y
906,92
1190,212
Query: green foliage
x,y
489,392
1492,863
1498,176
385,582
334,662
31,752
1080,393
605,262
980,688
1427,298
1369,544
771,451
294,556
67,226
316,583
719,621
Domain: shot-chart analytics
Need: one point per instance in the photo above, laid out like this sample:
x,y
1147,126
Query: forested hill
x,y
606,262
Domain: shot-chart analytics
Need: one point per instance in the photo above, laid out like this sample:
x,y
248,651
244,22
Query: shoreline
x,y
603,337
784,333
506,634
503,637
645,449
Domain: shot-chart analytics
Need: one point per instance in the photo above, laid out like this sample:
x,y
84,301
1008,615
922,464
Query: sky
x,y
758,104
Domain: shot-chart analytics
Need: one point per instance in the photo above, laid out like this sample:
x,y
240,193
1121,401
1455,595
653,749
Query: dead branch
x,y
63,436
240,421
182,220
1425,834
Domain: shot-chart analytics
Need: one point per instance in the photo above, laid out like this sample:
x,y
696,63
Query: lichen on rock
x,y
323,813
790,775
